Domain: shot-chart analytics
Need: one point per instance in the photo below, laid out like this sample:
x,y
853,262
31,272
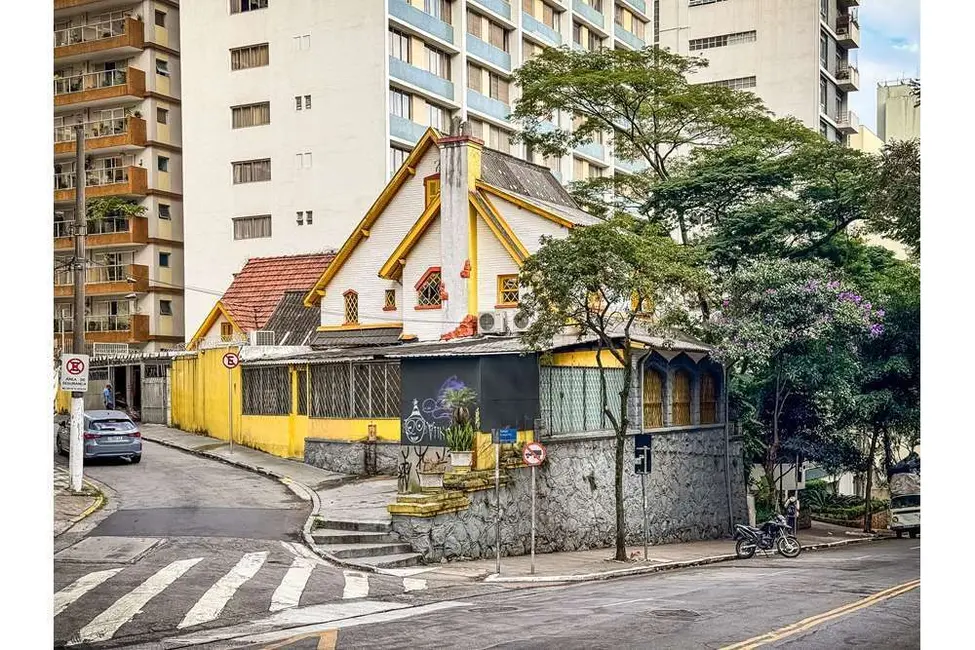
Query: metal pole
x,y
727,451
76,446
646,530
230,406
497,498
533,521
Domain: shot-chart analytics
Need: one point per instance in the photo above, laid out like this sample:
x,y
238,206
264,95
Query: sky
x,y
890,48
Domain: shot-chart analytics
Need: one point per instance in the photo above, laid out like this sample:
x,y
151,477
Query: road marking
x,y
328,640
105,625
914,548
356,585
209,606
292,585
414,584
808,623
80,587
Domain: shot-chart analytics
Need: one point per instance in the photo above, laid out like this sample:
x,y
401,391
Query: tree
x,y
109,207
611,283
896,200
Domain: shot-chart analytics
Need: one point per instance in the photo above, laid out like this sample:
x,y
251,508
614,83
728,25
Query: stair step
x,y
336,536
349,551
364,526
396,560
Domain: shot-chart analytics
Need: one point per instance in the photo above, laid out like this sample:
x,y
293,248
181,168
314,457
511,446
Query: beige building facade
x,y
898,112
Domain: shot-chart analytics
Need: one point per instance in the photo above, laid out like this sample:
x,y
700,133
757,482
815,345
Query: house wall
x,y
527,226
492,260
200,391
425,324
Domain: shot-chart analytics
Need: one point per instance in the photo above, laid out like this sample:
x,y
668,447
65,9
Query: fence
x,y
571,400
267,391
355,390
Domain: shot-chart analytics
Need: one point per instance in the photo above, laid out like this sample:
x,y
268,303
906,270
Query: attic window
x,y
226,332
389,302
351,307
431,185
428,290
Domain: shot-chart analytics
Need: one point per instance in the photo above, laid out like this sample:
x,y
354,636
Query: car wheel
x,y
136,458
913,534
900,534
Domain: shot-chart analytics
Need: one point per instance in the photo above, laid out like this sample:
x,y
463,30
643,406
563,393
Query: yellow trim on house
x,y
500,290
392,269
215,313
497,224
585,359
472,259
406,170
357,326
521,203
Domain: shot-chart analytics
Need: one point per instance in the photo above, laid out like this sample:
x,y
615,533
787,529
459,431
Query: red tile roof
x,y
259,286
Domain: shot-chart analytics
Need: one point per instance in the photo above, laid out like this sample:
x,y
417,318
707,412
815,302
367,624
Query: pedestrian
x,y
108,397
792,513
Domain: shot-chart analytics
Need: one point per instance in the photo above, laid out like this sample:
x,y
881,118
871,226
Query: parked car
x,y
107,434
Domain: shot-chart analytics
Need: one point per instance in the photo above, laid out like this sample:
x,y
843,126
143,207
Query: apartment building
x,y
299,111
898,111
117,72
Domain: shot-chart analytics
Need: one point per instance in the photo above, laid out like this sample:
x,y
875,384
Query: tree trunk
x,y
867,515
620,429
888,452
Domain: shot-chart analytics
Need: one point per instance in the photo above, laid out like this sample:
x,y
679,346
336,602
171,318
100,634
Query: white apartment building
x,y
117,72
898,111
299,111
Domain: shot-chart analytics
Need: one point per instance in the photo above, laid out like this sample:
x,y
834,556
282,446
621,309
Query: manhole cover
x,y
674,614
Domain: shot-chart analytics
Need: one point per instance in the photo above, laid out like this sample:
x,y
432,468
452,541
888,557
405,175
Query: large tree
x,y
610,283
896,198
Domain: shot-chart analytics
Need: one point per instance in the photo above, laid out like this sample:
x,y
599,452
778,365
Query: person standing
x,y
108,397
792,514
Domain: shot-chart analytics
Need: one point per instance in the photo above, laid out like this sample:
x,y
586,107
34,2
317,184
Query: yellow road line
x,y
819,619
328,640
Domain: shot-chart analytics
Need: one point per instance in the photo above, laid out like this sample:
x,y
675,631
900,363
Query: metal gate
x,y
155,392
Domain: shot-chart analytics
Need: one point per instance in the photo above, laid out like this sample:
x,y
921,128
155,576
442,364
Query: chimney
x,y
460,168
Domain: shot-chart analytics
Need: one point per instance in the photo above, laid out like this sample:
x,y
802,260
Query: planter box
x,y
461,460
431,481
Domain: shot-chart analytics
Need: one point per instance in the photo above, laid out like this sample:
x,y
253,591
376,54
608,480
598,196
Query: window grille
x,y
721,41
571,400
389,301
267,391
507,289
155,370
681,403
355,390
351,307
653,399
428,291
709,400
302,376
739,83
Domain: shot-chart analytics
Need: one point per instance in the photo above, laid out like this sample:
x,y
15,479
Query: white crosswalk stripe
x,y
289,591
414,584
105,625
80,587
216,598
356,585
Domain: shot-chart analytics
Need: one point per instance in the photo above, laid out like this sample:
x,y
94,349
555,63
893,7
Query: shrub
x,y
460,437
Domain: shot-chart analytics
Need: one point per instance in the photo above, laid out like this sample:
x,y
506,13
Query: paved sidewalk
x,y
71,508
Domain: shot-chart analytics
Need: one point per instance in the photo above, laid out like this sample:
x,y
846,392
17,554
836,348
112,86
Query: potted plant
x,y
460,434
430,474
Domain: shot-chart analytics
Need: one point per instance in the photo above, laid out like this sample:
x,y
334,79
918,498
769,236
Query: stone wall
x,y
350,457
686,497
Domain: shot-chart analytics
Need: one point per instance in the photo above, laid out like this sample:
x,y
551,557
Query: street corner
x,y
70,508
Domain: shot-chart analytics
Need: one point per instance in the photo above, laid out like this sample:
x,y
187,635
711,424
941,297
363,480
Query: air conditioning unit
x,y
262,337
492,322
520,322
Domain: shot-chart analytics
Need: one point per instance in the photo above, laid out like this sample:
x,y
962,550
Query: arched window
x,y
680,402
428,290
653,399
709,399
351,307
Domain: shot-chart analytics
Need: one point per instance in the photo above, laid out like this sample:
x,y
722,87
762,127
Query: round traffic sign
x,y
231,361
533,454
74,366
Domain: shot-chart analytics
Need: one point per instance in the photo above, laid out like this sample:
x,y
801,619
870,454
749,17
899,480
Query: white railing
x,y
90,81
222,341
848,119
93,177
93,275
99,323
106,226
94,129
91,32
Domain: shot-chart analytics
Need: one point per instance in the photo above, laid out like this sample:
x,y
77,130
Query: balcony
x,y
499,7
399,69
103,5
592,150
119,134
104,280
487,105
104,233
639,5
847,77
848,31
100,88
404,129
631,166
537,28
629,38
421,20
848,122
488,52
115,181
122,36
114,328
588,13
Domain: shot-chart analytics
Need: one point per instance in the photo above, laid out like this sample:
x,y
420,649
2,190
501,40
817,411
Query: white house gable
x,y
420,320
527,226
492,261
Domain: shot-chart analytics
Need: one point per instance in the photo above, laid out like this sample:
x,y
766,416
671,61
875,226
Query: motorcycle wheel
x,y
789,546
744,549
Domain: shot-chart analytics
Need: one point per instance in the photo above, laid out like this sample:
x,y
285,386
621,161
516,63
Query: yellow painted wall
x,y
199,394
585,359
386,429
62,401
484,448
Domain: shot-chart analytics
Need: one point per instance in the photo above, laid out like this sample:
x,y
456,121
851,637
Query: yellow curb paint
x,y
819,619
328,640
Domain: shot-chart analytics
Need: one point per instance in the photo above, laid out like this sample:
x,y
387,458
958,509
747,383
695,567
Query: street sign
x,y
507,435
74,372
230,361
642,447
533,454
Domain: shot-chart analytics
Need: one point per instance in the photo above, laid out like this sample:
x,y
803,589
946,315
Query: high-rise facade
x,y
898,111
117,72
298,111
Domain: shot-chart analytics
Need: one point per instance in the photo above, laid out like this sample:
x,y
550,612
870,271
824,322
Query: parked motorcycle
x,y
773,533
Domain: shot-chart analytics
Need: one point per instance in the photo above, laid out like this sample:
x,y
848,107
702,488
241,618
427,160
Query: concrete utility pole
x,y
76,448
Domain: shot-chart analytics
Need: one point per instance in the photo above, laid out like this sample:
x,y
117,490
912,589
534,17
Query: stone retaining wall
x,y
350,457
686,495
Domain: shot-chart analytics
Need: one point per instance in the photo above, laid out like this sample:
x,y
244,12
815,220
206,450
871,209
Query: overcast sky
x,y
890,48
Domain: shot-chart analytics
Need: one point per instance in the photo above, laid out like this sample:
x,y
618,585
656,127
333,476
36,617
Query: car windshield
x,y
906,501
112,425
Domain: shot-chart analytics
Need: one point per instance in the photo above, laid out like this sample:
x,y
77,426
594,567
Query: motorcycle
x,y
775,532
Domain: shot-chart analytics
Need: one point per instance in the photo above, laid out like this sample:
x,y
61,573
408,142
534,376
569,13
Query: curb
x,y
658,568
100,501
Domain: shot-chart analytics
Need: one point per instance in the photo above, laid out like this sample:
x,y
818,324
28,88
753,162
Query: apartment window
x,y
351,299
499,87
473,23
252,171
162,163
240,6
303,217
255,227
497,36
823,130
251,115
474,77
618,15
595,172
653,399
499,139
595,4
594,41
399,45
307,102
438,117
738,83
577,33
823,50
680,403
396,159
428,294
251,56
400,104
507,291
308,217
389,300
721,41
839,106
160,18
302,42
162,116
549,17
164,211
438,63
439,9
824,9
639,28
302,101
822,95
166,308
303,160
164,260
162,67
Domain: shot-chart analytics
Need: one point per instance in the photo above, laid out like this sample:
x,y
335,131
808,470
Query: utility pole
x,y
76,448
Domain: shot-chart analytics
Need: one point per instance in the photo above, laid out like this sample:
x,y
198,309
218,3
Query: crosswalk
x,y
81,614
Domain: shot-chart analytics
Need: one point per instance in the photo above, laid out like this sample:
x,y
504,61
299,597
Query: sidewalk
x,y
70,508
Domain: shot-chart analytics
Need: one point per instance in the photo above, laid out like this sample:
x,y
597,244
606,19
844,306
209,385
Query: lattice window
x,y
226,332
507,290
302,378
389,300
709,399
267,391
681,400
431,187
351,306
571,400
653,399
355,390
428,292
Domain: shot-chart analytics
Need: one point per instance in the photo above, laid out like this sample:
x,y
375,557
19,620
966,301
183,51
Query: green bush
x,y
460,437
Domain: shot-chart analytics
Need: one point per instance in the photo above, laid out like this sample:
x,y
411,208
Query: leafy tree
x,y
896,197
110,207
611,283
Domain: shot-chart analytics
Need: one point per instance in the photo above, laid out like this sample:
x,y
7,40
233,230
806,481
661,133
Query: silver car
x,y
107,434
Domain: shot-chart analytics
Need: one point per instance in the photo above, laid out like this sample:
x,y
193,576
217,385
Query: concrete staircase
x,y
363,542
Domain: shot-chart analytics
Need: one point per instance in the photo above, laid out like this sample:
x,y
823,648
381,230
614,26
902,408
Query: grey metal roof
x,y
528,179
291,321
570,213
348,338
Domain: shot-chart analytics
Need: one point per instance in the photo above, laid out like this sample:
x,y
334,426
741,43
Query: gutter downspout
x,y
727,449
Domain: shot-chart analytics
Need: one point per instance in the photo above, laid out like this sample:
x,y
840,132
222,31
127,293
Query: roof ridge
x,y
283,257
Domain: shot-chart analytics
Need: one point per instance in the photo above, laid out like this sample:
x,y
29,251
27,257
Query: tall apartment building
x,y
298,111
117,72
898,112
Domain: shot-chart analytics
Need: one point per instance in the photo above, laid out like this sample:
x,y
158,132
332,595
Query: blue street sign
x,y
507,435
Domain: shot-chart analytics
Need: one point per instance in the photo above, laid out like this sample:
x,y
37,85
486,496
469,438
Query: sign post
x,y
497,501
230,361
643,468
534,455
74,378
